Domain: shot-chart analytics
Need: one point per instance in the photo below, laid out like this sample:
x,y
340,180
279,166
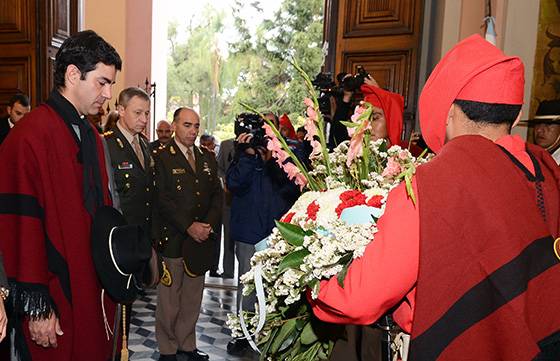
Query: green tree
x,y
256,70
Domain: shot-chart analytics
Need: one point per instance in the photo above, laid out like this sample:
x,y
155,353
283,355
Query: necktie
x,y
190,159
138,151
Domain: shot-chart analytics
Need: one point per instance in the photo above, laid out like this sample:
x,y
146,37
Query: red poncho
x,y
46,237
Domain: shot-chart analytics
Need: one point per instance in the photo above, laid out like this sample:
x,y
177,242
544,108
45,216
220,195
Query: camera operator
x,y
341,104
261,193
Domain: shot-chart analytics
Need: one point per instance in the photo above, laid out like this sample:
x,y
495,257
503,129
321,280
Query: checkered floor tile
x,y
212,333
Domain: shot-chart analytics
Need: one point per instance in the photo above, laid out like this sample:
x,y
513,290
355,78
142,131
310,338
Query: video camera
x,y
252,124
353,82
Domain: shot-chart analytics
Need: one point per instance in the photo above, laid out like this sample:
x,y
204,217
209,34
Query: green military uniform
x,y
184,196
134,183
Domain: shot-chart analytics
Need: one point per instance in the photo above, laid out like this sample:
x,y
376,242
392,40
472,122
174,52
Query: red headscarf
x,y
286,123
393,108
473,70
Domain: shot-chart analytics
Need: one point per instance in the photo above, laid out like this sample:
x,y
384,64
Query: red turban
x,y
393,108
286,123
473,70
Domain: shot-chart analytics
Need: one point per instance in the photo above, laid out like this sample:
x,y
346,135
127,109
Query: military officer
x,y
132,165
189,201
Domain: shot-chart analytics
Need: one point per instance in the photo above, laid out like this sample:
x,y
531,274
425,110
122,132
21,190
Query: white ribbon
x,y
129,275
400,346
259,289
108,329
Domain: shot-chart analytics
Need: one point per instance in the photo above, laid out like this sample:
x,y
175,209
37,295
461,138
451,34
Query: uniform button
x,y
147,204
147,189
198,205
179,187
196,181
166,238
197,193
147,218
127,185
126,175
196,218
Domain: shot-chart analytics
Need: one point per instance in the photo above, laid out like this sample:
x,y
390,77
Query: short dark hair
x,y
491,113
131,92
177,112
205,137
19,98
84,50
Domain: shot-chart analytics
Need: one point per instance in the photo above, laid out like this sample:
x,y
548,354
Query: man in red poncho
x,y
471,268
55,180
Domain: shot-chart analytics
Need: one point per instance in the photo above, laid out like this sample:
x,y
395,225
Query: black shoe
x,y
195,355
168,357
214,273
237,346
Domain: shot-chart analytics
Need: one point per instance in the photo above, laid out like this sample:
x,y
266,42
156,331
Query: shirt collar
x,y
10,123
129,137
183,148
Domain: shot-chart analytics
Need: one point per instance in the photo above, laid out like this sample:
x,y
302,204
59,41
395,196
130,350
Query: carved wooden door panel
x,y
60,19
31,31
18,40
384,37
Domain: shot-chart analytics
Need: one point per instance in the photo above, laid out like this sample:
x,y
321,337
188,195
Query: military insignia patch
x,y
179,171
172,150
120,143
166,279
125,165
206,168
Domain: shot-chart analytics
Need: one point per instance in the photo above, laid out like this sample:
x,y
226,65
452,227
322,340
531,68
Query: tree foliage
x,y
256,68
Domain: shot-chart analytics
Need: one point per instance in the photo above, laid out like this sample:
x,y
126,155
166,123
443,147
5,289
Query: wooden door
x,y
31,31
18,41
384,37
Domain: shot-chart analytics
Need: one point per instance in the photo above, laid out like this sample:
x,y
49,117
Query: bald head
x,y
186,124
163,131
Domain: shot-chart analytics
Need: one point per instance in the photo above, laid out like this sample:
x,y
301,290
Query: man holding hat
x,y
471,267
547,127
189,197
55,182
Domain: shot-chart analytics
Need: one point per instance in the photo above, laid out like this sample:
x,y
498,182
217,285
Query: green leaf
x,y
292,233
308,336
350,124
293,260
287,328
342,275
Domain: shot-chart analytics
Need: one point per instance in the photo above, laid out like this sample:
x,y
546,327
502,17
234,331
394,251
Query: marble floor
x,y
212,333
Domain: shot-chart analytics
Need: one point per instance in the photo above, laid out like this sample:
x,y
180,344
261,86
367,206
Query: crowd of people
x,y
184,195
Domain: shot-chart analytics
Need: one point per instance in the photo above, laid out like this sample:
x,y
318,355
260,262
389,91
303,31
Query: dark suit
x,y
184,196
155,146
134,183
224,159
4,128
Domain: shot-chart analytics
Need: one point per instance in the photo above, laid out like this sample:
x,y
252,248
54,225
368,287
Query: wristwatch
x,y
4,293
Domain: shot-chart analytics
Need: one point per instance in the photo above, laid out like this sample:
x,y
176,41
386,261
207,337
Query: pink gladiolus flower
x,y
268,130
357,112
308,102
403,154
317,149
356,143
393,168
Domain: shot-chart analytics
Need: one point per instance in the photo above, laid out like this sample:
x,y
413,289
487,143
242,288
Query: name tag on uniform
x,y
125,165
179,171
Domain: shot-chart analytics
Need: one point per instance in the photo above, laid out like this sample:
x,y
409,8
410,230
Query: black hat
x,y
548,112
199,257
120,254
